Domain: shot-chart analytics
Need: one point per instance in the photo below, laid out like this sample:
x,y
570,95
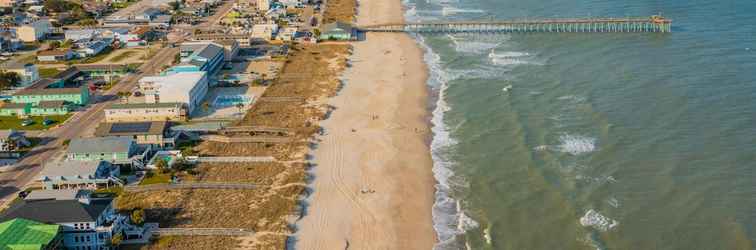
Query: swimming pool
x,y
231,100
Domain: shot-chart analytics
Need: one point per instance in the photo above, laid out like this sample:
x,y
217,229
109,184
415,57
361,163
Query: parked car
x,y
27,122
47,122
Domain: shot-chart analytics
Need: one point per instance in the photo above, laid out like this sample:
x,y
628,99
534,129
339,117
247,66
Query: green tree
x,y
9,79
88,22
161,165
137,216
66,43
54,45
116,240
57,6
175,5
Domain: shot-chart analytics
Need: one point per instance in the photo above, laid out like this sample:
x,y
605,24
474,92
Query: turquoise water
x,y
231,100
595,141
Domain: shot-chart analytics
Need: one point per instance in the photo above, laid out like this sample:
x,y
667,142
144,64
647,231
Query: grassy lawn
x,y
122,56
48,72
15,122
31,58
93,59
155,177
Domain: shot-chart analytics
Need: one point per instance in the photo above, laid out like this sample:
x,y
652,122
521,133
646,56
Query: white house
x,y
92,48
288,34
264,31
188,88
147,14
86,222
28,72
81,34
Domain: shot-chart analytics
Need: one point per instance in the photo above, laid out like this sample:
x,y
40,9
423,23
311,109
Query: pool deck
x,y
230,112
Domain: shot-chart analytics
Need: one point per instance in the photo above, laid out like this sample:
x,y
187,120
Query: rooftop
x,y
57,211
131,128
144,105
100,144
51,104
177,83
8,105
53,52
57,194
49,91
71,169
8,134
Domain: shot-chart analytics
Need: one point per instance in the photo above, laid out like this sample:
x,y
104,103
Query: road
x,y
17,177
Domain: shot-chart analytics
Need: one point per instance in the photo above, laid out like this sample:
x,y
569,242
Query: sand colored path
x,y
373,186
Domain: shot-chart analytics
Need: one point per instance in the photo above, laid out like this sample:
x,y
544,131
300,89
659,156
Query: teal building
x,y
116,150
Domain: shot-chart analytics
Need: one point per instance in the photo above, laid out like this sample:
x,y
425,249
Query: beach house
x,y
11,142
29,235
337,31
87,222
132,112
153,133
28,72
55,55
116,150
79,175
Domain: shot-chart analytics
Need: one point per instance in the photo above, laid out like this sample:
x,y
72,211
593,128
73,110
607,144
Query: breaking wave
x,y
449,219
576,144
598,221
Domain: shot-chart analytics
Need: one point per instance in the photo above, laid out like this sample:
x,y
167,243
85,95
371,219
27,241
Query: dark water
x,y
596,141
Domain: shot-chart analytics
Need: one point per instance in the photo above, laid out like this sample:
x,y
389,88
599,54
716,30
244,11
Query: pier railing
x,y
652,24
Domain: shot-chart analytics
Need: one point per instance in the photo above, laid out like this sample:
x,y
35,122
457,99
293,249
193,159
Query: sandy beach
x,y
373,185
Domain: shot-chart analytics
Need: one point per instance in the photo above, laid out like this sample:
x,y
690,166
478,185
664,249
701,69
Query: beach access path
x,y
373,185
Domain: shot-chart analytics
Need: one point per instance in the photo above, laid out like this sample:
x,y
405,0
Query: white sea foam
x,y
487,235
576,144
449,10
512,58
464,45
613,202
449,219
572,98
598,221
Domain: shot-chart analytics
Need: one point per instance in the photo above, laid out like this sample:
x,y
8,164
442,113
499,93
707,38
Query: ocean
x,y
594,140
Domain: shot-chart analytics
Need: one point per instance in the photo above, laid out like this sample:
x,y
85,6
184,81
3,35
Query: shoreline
x,y
373,184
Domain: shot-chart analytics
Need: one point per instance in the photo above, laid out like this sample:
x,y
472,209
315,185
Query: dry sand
x,y
375,141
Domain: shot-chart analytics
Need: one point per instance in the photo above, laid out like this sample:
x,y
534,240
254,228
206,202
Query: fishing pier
x,y
657,24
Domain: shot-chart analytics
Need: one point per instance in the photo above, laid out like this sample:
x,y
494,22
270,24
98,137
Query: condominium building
x,y
133,112
188,88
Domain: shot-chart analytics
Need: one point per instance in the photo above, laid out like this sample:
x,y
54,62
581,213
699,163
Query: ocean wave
x,y
464,45
449,11
598,221
572,98
576,144
449,220
512,58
